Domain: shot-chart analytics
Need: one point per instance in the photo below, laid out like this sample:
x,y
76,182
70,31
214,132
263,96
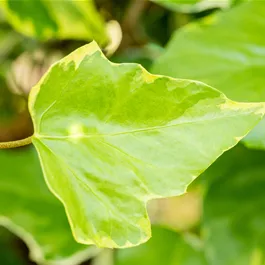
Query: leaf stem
x,y
15,144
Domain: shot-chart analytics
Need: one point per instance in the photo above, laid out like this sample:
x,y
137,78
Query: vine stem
x,y
15,144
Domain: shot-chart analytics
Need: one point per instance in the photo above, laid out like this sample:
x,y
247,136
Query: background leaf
x,y
165,247
112,136
190,6
66,19
226,51
28,209
234,209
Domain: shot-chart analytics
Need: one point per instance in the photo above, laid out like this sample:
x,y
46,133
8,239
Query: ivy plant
x,y
110,137
102,143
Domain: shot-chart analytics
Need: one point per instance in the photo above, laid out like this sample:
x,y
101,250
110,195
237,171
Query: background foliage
x,y
220,220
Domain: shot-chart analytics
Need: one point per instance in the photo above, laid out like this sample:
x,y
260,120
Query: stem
x,y
15,144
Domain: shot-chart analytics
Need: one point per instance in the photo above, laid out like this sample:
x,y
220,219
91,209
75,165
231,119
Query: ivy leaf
x,y
225,51
110,137
46,19
29,210
234,209
177,250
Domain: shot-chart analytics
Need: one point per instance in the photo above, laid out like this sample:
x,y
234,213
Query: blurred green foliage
x,y
234,208
165,247
55,19
190,6
28,209
219,42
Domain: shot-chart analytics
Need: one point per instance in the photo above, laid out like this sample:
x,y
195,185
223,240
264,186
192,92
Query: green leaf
x,y
29,210
190,6
234,209
110,137
46,19
165,247
226,51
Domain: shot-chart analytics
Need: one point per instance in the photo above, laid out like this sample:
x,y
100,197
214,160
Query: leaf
x,y
110,137
165,247
190,6
46,19
30,211
234,209
225,51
